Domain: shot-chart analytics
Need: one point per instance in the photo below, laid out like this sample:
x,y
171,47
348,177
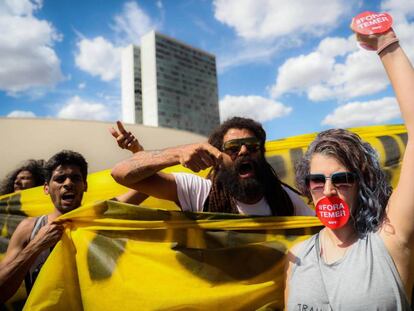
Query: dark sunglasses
x,y
337,179
233,146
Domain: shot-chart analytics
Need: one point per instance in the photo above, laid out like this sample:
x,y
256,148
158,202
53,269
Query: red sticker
x,y
369,23
333,212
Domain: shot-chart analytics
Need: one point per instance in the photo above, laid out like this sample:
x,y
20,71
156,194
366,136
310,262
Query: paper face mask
x,y
333,212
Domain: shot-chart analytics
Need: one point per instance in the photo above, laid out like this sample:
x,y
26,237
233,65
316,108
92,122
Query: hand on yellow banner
x,y
125,139
48,235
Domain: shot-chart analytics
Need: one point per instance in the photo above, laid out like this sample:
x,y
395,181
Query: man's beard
x,y
243,189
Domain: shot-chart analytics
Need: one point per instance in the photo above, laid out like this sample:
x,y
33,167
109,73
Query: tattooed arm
x,y
142,170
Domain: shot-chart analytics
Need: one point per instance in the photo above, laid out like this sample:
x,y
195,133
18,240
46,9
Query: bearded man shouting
x,y
241,181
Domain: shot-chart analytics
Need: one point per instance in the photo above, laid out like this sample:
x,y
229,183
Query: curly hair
x,y
66,157
35,167
358,157
220,200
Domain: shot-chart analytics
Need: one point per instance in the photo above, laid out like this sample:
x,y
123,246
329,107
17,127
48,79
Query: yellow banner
x,y
117,254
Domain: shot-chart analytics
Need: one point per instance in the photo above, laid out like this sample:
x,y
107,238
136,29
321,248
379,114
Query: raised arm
x,y
21,253
127,140
141,171
397,230
400,210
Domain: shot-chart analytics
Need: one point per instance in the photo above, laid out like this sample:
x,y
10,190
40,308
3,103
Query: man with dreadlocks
x,y
241,181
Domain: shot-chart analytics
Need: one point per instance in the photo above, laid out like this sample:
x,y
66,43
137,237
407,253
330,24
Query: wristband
x,y
386,44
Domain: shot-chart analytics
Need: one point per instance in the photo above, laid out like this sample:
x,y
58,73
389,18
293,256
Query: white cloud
x,y
399,9
99,57
133,22
27,58
336,46
22,7
21,114
259,23
335,69
77,108
256,107
360,74
269,19
81,86
301,72
363,113
405,33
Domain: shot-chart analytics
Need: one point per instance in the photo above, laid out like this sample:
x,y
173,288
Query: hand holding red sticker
x,y
369,23
333,212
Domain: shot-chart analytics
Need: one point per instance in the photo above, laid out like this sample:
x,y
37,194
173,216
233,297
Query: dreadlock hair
x,y
360,158
219,200
35,167
66,157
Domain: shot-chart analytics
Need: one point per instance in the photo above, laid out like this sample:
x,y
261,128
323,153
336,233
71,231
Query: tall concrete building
x,y
168,83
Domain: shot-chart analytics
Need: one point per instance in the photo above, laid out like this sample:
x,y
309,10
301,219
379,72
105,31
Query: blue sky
x,y
293,65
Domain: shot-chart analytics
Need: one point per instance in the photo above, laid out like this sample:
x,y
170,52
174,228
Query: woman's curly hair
x,y
35,167
358,157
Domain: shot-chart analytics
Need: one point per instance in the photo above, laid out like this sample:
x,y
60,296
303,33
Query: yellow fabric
x,y
117,254
161,260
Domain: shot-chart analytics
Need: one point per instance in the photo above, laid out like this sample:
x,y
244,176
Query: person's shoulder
x,y
27,223
301,247
301,208
24,229
296,249
290,191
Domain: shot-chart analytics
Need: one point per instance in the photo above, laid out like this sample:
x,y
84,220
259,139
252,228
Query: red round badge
x,y
333,212
368,23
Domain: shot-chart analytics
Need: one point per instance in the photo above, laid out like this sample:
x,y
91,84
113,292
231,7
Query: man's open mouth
x,y
245,169
68,197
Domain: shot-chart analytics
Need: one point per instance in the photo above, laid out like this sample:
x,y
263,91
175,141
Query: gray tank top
x,y
34,270
364,279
